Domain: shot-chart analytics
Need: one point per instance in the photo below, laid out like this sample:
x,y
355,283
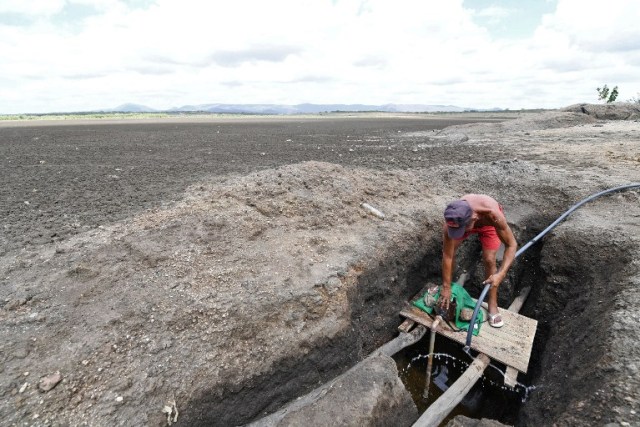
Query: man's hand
x,y
494,280
445,297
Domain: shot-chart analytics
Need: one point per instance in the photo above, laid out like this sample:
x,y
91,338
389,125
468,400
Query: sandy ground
x,y
228,267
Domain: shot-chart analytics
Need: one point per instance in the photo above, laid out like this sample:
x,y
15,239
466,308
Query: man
x,y
482,215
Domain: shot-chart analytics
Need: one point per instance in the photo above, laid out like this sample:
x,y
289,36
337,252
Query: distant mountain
x,y
132,108
295,109
418,108
237,108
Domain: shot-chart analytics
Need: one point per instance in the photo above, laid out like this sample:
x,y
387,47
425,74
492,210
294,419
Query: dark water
x,y
489,398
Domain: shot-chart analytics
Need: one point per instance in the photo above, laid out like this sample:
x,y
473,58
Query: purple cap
x,y
457,215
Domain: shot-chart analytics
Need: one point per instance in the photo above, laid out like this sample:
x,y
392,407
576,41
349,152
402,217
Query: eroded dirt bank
x,y
254,288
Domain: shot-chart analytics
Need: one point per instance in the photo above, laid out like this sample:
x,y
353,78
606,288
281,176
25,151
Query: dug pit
x,y
581,277
571,273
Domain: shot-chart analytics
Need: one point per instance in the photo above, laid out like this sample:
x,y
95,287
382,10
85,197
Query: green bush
x,y
606,96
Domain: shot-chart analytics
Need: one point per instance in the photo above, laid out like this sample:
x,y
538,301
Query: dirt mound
x,y
616,111
253,288
524,123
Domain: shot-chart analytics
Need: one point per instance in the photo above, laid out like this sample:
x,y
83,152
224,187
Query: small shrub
x,y
607,96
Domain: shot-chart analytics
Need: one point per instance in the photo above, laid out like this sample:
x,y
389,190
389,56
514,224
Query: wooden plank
x,y
403,340
511,377
511,374
519,301
439,409
406,325
510,344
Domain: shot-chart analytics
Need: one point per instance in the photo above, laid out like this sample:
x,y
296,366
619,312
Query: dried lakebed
x,y
155,267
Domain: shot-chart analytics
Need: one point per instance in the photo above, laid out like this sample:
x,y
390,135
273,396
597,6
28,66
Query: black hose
x,y
532,242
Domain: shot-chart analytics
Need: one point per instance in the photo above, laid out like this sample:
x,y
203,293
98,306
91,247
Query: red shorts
x,y
488,237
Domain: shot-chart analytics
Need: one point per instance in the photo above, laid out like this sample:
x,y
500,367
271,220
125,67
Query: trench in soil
x,y
570,281
563,310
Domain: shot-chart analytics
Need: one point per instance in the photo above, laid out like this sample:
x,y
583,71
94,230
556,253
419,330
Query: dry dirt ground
x,y
212,271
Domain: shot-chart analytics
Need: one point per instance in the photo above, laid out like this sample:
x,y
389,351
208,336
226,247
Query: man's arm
x,y
448,254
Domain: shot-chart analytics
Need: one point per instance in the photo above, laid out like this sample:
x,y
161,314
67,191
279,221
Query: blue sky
x,y
78,55
510,19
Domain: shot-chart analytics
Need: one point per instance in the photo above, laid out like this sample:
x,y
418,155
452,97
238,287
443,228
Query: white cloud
x,y
598,27
32,7
494,13
171,53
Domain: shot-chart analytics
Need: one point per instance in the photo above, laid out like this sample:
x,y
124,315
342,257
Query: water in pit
x,y
489,398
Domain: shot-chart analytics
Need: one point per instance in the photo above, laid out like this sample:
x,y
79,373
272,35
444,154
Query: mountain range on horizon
x,y
306,108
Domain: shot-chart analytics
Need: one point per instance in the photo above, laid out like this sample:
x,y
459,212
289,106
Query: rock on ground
x,y
369,394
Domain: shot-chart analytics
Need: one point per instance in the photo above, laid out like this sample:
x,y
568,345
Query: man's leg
x,y
489,261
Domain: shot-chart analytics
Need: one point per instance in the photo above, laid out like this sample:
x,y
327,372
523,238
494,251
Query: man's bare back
x,y
486,211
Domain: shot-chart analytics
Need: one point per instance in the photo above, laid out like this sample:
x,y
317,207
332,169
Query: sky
x,y
82,55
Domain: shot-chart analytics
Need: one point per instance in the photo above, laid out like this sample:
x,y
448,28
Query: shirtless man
x,y
482,215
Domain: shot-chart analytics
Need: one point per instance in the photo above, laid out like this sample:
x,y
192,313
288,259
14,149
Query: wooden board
x,y
406,325
510,344
510,377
